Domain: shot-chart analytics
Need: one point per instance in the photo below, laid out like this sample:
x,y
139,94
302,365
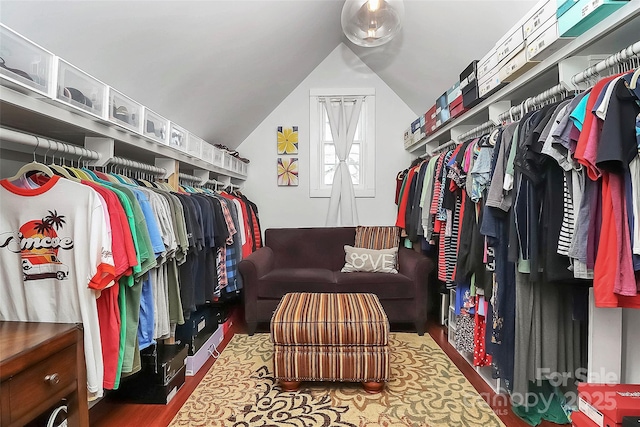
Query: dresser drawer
x,y
42,382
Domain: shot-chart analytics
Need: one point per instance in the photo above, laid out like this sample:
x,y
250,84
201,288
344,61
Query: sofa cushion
x,y
309,247
281,281
380,237
384,285
370,260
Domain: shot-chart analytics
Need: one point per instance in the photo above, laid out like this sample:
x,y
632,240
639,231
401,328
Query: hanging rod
x,y
613,60
443,146
185,177
47,144
486,126
132,164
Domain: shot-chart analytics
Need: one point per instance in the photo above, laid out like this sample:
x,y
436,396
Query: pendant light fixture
x,y
371,23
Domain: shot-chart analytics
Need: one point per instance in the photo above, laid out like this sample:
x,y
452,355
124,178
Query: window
x,y
323,158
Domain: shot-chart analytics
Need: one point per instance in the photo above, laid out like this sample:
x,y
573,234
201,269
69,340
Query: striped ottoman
x,y
330,337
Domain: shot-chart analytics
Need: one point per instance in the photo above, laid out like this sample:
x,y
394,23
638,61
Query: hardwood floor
x,y
107,413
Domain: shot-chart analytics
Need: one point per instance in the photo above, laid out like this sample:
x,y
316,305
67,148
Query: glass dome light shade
x,y
371,23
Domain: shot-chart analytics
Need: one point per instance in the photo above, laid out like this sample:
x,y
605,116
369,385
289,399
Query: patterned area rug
x,y
426,389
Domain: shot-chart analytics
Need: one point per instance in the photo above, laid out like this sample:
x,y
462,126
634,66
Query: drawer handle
x,y
52,379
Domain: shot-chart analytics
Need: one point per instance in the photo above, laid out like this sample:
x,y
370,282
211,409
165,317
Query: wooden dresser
x,y
41,363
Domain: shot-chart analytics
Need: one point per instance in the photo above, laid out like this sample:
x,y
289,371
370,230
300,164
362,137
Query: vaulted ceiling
x,y
218,68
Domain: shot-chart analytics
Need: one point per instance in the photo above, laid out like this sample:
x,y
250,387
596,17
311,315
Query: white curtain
x,y
343,114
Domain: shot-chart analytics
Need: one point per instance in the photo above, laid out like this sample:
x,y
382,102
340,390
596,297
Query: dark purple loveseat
x,y
310,260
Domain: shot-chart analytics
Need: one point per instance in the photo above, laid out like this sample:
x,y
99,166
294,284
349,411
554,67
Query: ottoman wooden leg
x,y
373,387
289,385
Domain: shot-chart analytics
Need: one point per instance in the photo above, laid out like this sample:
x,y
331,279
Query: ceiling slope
x,y
218,68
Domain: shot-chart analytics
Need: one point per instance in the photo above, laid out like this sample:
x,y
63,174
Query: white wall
x,y
292,206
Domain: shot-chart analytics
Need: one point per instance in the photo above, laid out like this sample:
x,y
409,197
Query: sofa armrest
x,y
417,267
252,268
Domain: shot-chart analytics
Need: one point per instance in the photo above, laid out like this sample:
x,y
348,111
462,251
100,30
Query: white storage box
x,y
25,65
207,152
124,111
218,157
228,161
238,165
244,169
156,127
194,146
487,64
489,84
539,19
80,90
178,138
547,42
209,349
517,66
510,45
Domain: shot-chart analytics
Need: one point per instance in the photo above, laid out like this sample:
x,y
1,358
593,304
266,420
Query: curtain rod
x,y
351,98
50,145
132,164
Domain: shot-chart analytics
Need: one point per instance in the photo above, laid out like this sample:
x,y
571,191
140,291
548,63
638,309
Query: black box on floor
x,y
630,421
141,388
198,328
163,361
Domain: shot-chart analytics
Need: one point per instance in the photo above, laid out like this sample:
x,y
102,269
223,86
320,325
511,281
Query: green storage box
x,y
585,14
563,6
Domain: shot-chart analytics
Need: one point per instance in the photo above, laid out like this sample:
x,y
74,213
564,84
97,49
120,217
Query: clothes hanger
x,y
58,168
34,166
634,79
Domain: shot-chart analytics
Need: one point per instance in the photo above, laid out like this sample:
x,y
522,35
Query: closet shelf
x,y
38,115
612,34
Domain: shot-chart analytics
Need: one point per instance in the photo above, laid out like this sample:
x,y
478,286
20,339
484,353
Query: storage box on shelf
x,y
207,152
178,138
545,41
228,161
487,64
456,108
469,86
80,90
563,6
543,13
515,67
237,167
489,84
24,64
218,157
442,110
454,98
194,146
124,111
510,45
408,137
584,14
156,127
418,129
430,120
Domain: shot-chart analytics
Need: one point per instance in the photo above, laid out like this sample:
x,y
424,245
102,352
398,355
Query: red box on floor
x,y
607,404
578,419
